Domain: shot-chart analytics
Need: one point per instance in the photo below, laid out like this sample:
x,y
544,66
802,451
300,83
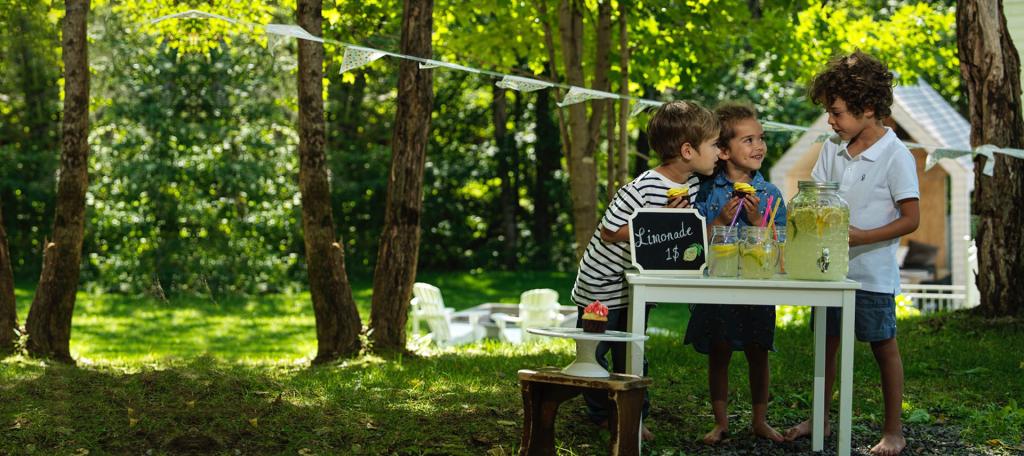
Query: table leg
x,y
846,373
635,320
818,401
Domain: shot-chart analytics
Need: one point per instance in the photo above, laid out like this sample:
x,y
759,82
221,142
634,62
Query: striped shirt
x,y
600,275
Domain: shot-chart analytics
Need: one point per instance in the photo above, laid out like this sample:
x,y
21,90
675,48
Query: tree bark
x,y
337,320
49,318
990,66
623,168
585,134
612,157
8,306
509,199
395,271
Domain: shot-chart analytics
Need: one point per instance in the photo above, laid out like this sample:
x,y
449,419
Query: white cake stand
x,y
585,364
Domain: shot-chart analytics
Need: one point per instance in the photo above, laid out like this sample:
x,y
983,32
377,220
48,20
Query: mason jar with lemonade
x,y
817,233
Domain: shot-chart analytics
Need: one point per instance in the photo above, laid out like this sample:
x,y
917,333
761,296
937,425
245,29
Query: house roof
x,y
934,114
919,109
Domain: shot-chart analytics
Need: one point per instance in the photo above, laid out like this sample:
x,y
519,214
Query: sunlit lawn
x,y
191,374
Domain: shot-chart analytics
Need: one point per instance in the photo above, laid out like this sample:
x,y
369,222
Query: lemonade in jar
x,y
758,253
724,252
817,233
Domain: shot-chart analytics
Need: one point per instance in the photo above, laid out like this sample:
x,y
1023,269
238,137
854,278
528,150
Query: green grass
x,y
216,377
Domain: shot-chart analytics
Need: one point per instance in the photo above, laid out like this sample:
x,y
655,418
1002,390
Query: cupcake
x,y
674,192
595,318
741,189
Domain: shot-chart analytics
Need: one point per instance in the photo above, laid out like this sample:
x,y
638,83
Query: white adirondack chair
x,y
427,306
537,308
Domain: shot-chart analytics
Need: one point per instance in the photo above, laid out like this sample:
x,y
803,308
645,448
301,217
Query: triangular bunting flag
x,y
291,30
454,66
522,84
193,14
356,57
939,154
577,94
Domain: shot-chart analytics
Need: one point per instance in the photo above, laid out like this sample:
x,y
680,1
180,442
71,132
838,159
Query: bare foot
x,y
716,435
803,430
764,430
890,445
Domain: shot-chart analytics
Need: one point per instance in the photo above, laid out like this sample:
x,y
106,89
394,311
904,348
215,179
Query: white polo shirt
x,y
872,183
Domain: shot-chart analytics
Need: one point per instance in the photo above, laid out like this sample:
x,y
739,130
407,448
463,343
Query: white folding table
x,y
661,288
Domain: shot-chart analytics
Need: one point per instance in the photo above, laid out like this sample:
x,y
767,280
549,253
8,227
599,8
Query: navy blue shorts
x,y
874,317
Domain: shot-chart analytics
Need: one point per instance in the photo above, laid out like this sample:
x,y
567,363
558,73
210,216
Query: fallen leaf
x,y
81,452
132,422
131,411
996,442
191,404
254,421
305,452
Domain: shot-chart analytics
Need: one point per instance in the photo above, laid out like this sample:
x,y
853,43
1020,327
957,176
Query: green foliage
x,y
194,169
29,127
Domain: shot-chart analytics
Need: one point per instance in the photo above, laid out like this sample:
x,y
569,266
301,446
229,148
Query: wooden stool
x,y
545,389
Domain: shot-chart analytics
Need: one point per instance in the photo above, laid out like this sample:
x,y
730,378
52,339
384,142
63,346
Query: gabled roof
x,y
934,114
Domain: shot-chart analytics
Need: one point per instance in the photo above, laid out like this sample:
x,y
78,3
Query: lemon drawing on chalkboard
x,y
692,251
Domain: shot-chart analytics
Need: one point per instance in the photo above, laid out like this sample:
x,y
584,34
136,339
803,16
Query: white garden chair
x,y
538,308
427,306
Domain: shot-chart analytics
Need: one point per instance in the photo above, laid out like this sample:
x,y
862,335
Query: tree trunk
x,y
509,198
548,150
337,320
623,168
400,239
585,135
613,159
549,43
8,308
990,66
49,318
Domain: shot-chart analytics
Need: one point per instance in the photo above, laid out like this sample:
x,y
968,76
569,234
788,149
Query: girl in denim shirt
x,y
718,330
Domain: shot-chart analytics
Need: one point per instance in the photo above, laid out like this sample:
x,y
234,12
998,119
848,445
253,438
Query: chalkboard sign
x,y
668,241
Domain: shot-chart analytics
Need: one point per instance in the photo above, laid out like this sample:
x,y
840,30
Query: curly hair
x,y
860,80
729,113
677,123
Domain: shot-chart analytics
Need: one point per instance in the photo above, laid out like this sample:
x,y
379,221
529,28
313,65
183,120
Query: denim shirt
x,y
717,191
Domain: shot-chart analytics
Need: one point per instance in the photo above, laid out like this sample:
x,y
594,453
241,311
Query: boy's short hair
x,y
728,114
677,123
860,80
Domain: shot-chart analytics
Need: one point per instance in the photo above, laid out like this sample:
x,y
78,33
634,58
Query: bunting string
x,y
358,56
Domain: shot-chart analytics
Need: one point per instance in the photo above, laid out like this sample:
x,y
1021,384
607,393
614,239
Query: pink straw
x,y
764,220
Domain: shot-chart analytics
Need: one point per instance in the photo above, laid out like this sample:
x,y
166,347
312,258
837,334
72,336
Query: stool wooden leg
x,y
540,405
624,422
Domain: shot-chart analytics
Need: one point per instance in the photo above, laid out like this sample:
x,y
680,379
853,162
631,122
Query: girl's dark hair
x,y
728,114
860,80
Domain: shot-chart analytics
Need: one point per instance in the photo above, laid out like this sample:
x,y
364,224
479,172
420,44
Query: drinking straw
x,y
737,216
772,220
764,219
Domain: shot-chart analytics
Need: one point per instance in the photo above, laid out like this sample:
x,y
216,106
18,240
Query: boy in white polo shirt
x,y
877,176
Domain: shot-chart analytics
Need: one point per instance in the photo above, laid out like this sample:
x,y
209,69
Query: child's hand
x,y
679,202
858,236
725,217
750,205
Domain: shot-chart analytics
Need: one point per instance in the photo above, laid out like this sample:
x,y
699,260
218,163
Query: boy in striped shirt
x,y
683,133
